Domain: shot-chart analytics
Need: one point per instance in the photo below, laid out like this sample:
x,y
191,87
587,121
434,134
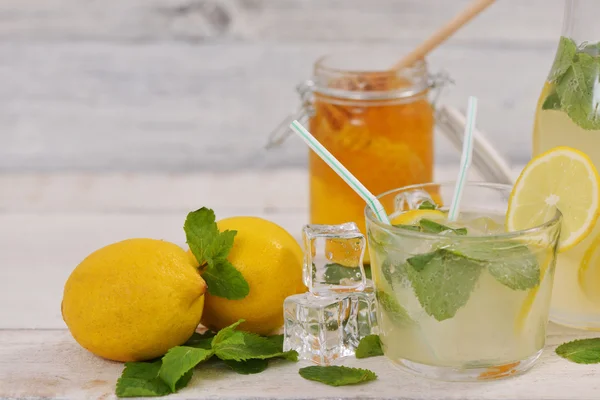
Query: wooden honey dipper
x,y
380,81
443,33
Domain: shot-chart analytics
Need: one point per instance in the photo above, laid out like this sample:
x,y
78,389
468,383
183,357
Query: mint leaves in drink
x,y
243,352
393,309
511,263
575,74
443,284
337,376
443,279
584,351
429,226
211,247
427,205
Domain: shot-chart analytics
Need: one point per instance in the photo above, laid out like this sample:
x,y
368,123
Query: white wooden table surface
x,y
48,223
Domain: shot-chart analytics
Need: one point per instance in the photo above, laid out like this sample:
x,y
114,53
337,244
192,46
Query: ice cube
x,y
485,225
411,200
333,259
319,328
365,309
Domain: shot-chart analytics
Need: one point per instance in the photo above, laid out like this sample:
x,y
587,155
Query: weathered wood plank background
x,y
180,85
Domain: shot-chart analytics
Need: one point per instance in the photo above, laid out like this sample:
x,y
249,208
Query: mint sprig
x,y
211,247
575,74
243,352
369,346
337,375
583,351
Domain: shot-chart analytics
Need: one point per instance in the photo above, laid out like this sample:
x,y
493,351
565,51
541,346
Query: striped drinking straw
x,y
350,179
465,160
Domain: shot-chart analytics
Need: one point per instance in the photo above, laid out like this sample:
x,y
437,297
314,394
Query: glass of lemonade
x,y
461,300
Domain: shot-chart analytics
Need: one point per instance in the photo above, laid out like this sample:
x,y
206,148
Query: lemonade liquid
x,y
567,115
481,321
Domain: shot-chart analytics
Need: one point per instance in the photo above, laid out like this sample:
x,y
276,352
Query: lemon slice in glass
x,y
412,217
562,178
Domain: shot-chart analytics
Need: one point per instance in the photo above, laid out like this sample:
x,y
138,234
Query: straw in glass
x,y
350,179
465,159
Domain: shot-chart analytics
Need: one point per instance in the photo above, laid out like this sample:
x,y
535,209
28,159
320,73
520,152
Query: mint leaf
x,y
179,361
247,367
221,245
369,346
337,375
368,272
583,351
427,205
223,280
335,273
200,231
141,379
564,58
511,263
576,90
393,309
201,341
276,340
242,346
552,102
226,333
444,284
409,227
430,226
419,261
211,249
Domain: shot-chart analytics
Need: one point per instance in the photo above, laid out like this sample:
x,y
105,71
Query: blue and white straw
x,y
465,159
350,179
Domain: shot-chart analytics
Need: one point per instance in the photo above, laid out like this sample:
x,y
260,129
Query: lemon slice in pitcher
x,y
562,178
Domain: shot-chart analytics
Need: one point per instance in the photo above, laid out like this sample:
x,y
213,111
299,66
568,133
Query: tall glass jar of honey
x,y
377,122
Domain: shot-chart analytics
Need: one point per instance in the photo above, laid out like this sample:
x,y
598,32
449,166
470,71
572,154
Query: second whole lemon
x,y
134,300
270,260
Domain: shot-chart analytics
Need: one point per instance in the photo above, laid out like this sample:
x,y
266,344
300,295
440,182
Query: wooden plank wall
x,y
178,85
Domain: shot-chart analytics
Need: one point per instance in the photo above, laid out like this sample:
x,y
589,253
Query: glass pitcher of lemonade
x,y
568,114
376,121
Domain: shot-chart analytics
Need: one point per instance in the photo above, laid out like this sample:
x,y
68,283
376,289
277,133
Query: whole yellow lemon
x,y
270,260
134,300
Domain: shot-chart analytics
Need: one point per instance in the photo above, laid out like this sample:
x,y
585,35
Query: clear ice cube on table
x,y
320,329
328,322
333,259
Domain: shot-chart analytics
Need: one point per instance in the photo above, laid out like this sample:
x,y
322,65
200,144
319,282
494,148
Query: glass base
x,y
588,322
475,374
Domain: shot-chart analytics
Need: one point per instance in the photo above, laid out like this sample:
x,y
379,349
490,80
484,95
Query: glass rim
x,y
322,72
371,218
